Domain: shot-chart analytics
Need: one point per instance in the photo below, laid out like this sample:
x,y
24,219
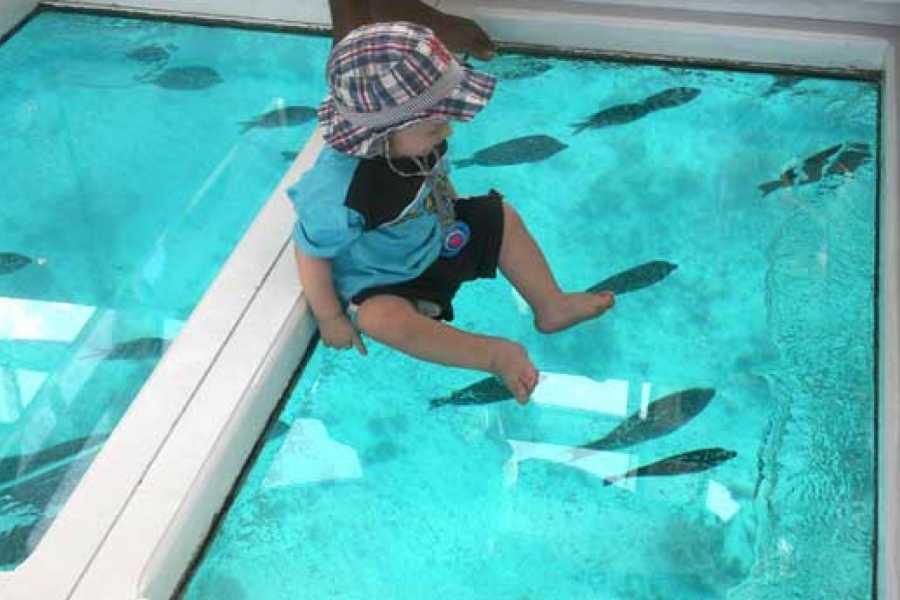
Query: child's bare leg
x,y
394,321
523,263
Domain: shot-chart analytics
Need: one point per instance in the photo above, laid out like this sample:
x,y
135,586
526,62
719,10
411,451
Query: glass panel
x,y
134,154
710,437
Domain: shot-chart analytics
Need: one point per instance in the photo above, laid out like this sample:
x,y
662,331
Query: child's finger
x,y
522,392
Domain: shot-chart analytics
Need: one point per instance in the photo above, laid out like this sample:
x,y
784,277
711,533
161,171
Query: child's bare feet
x,y
572,309
511,364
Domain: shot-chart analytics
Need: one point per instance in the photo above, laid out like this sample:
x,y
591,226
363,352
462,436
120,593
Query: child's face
x,y
419,139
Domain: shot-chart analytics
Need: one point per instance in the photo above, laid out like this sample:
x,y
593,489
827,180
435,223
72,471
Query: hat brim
x,y
462,104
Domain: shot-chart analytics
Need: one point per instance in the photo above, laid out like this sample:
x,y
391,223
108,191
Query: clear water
x,y
127,181
363,491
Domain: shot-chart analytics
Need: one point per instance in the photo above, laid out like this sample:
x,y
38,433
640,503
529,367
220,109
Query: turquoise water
x,y
362,490
128,178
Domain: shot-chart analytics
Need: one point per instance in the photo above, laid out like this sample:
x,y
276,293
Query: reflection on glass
x,y
309,455
129,175
582,393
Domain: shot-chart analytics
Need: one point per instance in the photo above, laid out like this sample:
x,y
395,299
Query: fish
x,y
626,113
616,115
149,54
687,462
186,78
527,149
517,68
839,159
663,416
814,165
788,179
635,278
851,158
10,262
671,98
782,83
483,391
289,155
288,116
136,349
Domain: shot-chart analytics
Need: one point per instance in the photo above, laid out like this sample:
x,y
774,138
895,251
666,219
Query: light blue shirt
x,y
352,212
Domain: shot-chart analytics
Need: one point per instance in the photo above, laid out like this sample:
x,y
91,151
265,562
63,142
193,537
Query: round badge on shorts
x,y
455,239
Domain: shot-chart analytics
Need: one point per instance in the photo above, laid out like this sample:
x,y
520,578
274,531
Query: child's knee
x,y
379,314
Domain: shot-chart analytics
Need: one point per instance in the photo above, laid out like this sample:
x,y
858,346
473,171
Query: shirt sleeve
x,y
323,229
325,224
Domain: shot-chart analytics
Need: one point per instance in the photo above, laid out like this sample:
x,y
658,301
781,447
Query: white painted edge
x,y
173,508
13,12
86,519
827,48
278,14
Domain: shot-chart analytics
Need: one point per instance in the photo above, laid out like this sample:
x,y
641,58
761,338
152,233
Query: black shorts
x,y
478,259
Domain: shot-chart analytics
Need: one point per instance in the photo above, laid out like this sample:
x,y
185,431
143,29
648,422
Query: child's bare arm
x,y
335,328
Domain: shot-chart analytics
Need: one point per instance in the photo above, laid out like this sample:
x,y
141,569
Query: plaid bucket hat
x,y
387,76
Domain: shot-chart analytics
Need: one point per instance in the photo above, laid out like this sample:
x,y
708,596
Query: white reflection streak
x,y
277,103
10,396
211,179
645,398
309,455
600,463
18,388
25,319
609,396
720,502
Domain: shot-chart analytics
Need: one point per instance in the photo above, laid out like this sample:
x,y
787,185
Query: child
x,y
383,243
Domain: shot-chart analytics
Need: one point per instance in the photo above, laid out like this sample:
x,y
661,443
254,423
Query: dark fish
x,y
815,164
626,113
616,115
671,98
289,156
186,78
850,159
136,349
782,83
527,149
788,179
850,156
10,261
483,391
635,278
289,116
688,462
664,415
149,54
516,68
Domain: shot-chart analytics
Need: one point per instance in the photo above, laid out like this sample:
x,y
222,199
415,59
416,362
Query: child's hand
x,y
339,332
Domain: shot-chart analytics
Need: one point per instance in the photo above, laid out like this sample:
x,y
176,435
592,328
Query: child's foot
x,y
511,364
572,309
